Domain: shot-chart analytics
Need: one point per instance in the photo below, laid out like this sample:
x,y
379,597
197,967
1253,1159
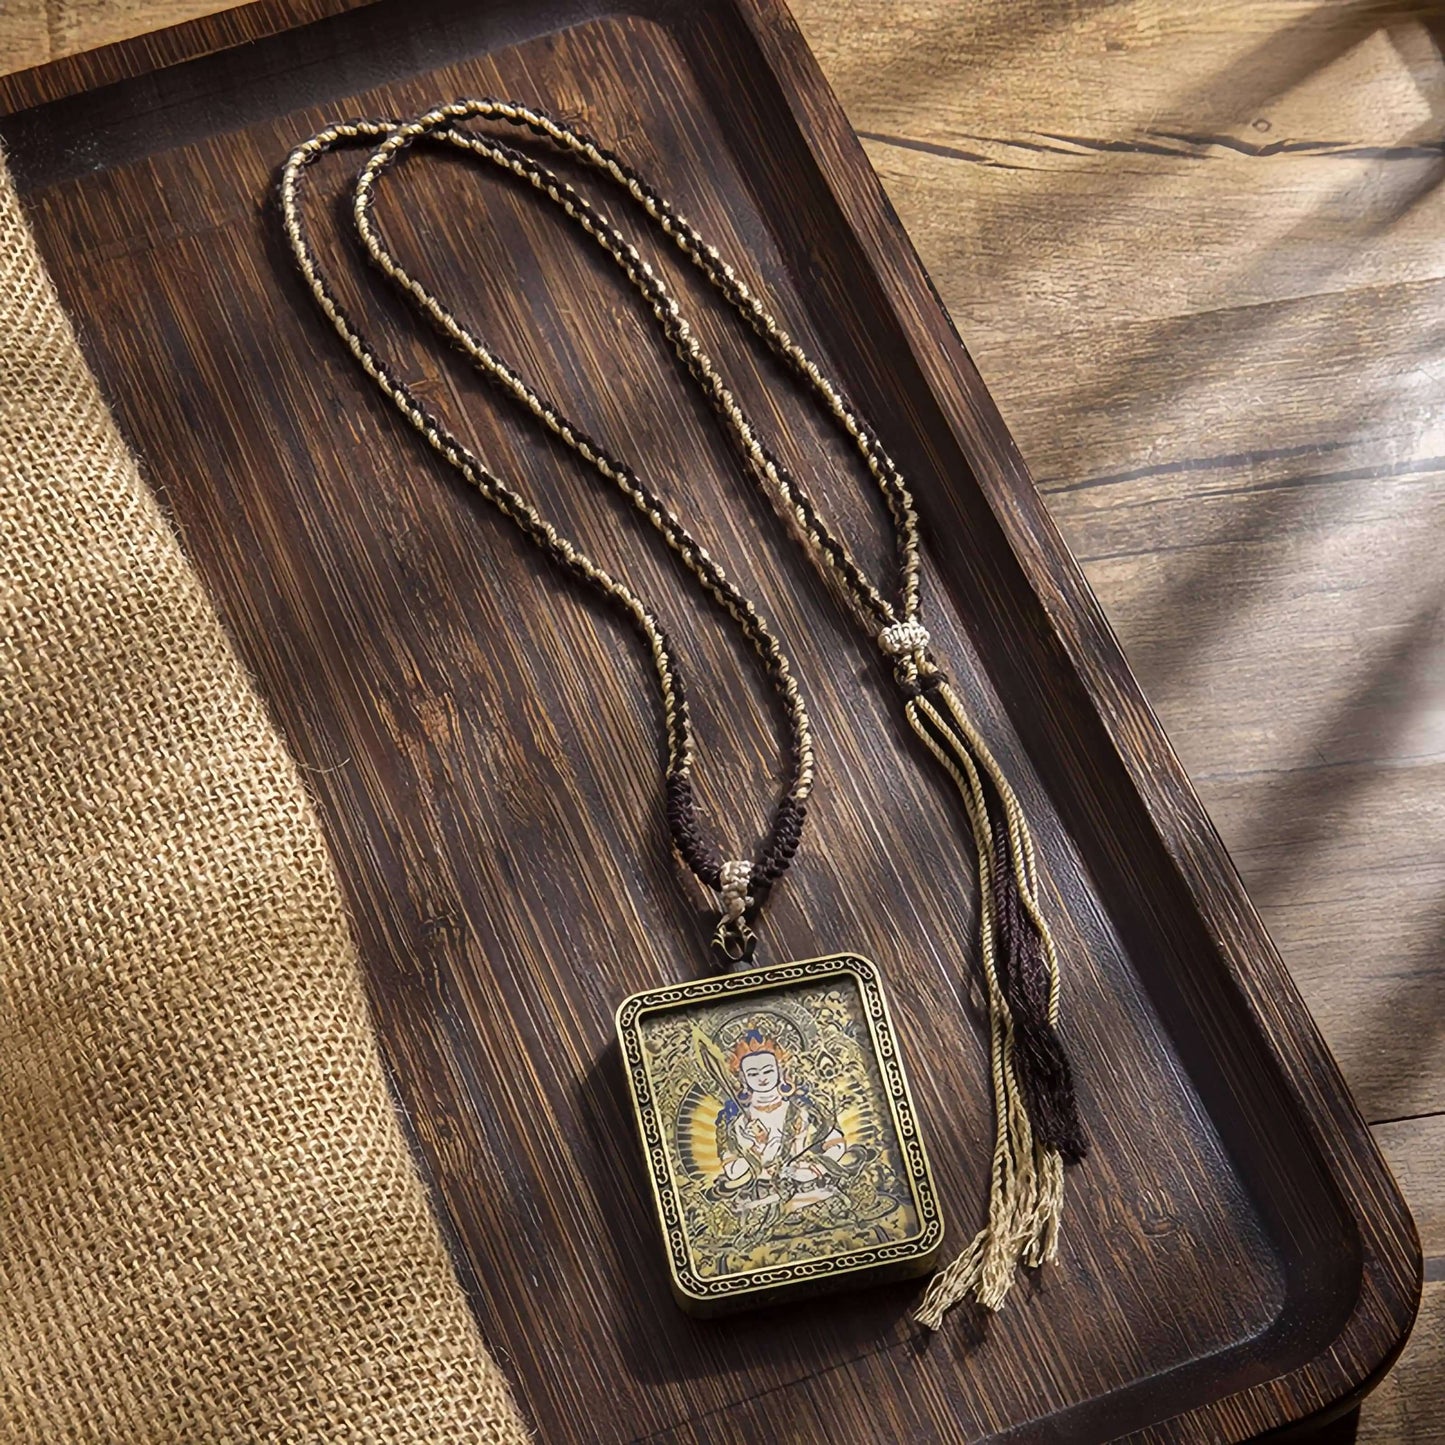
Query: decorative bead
x,y
735,878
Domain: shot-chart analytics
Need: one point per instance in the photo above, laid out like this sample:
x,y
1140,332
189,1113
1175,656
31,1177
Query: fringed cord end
x,y
1034,1104
1026,1231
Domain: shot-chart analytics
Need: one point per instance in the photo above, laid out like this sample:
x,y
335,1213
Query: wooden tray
x,y
480,740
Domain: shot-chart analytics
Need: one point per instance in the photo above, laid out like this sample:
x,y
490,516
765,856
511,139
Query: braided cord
x,y
785,831
1036,1117
768,471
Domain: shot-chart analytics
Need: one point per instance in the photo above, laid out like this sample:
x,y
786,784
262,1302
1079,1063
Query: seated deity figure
x,y
777,1145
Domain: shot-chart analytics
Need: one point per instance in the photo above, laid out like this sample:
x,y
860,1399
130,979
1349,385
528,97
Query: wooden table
x,y
1198,252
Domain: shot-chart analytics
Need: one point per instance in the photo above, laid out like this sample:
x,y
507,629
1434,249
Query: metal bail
x,y
734,938
736,945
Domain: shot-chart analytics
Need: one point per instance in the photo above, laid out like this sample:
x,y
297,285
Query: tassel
x,y
1035,1109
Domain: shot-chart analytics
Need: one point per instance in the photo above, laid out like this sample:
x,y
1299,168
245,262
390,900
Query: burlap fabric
x,y
210,1229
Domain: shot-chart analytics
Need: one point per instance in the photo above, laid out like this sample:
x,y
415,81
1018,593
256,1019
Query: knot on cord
x,y
906,643
904,639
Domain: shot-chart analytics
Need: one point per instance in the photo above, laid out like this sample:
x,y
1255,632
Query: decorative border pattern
x,y
901,1110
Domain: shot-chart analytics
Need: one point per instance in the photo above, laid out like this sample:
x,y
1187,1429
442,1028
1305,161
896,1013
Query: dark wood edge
x,y
1313,1426
1154,770
1085,637
127,59
1301,1432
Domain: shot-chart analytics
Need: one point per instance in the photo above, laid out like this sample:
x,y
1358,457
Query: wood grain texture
x,y
1196,253
25,38
1217,343
64,32
1415,1149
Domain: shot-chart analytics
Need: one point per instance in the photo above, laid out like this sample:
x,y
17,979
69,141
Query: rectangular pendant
x,y
781,1142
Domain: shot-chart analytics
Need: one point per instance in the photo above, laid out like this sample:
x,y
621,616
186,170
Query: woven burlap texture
x,y
210,1227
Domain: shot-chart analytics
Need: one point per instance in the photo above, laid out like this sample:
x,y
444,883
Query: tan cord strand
x,y
1037,1220
1025,1197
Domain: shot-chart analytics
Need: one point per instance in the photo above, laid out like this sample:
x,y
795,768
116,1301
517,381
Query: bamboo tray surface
x,y
481,739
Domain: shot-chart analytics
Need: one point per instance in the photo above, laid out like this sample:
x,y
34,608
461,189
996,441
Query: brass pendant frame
x,y
735,1233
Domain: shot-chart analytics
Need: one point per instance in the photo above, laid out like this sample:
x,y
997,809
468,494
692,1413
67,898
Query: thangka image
x,y
781,1135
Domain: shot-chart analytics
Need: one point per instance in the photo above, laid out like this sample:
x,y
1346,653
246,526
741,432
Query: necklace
x,y
782,1145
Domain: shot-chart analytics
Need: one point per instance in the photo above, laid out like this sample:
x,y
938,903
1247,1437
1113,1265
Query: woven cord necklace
x,y
769,1188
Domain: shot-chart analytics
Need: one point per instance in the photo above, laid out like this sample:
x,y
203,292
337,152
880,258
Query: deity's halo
x,y
782,1020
